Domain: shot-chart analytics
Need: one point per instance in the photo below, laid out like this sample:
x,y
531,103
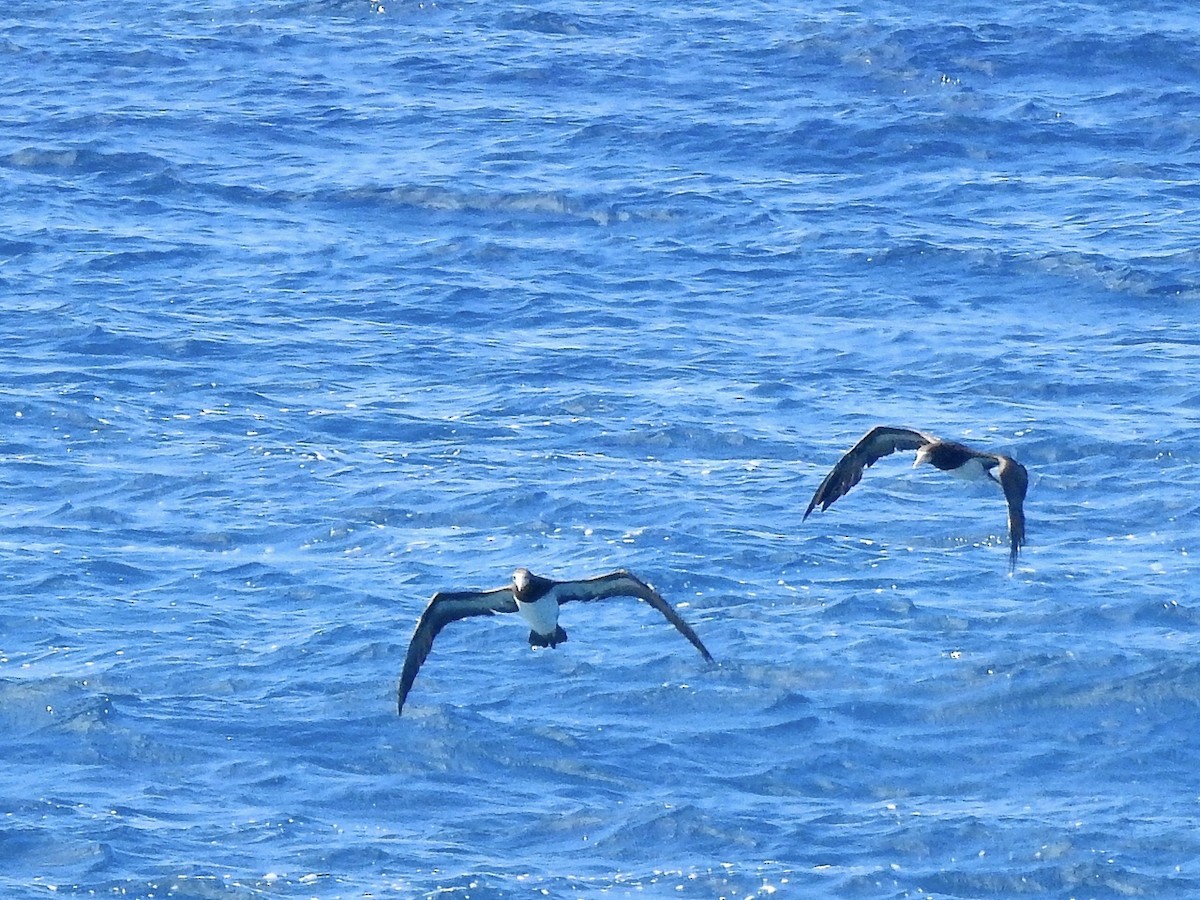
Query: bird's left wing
x,y
872,447
624,584
1014,479
446,607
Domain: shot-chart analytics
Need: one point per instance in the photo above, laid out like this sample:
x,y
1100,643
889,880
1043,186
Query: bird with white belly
x,y
537,601
948,456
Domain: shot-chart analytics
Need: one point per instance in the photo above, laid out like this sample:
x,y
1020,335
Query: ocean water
x,y
311,308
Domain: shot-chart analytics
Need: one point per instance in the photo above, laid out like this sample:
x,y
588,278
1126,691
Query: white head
x,y
923,455
522,578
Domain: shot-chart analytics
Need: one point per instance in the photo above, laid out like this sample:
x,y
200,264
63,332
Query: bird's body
x,y
948,456
542,616
537,601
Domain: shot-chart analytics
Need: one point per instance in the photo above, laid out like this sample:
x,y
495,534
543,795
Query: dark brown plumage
x,y
949,456
537,600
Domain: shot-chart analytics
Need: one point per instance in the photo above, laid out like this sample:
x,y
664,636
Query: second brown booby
x,y
949,456
536,599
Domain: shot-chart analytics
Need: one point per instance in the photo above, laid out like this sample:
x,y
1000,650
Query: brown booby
x,y
537,600
949,456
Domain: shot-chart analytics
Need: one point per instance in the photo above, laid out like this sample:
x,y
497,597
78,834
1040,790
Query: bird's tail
x,y
547,640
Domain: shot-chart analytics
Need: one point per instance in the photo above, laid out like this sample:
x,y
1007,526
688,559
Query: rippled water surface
x,y
311,309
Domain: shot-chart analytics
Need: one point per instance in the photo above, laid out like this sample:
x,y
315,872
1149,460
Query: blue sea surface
x,y
312,308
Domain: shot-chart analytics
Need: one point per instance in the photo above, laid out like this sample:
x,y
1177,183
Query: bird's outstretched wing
x,y
875,444
446,607
624,584
1014,479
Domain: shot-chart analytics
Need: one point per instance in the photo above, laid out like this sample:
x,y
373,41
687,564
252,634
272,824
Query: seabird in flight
x,y
537,600
949,456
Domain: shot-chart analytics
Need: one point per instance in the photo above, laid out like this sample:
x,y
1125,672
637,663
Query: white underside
x,y
972,470
542,614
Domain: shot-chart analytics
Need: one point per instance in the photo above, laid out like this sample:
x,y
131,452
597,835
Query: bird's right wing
x,y
1014,479
875,444
446,607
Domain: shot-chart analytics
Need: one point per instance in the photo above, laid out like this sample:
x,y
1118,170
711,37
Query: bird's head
x,y
522,580
923,455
